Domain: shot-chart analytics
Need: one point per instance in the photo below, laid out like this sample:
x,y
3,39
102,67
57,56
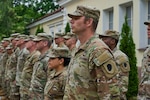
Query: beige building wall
x,y
139,15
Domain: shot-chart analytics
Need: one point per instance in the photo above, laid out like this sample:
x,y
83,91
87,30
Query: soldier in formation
x,y
36,69
111,38
144,86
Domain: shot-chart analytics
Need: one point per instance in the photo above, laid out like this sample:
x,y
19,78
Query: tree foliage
x,y
67,28
17,14
128,47
6,14
39,30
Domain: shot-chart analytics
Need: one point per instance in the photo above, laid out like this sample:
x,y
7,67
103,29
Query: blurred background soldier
x,y
119,89
5,43
70,42
58,61
28,68
144,86
8,70
22,56
39,75
59,40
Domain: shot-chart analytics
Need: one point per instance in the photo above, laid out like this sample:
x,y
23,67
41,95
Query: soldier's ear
x,y
45,43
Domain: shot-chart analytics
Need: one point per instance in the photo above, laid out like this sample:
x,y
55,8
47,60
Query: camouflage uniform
x,y
4,60
123,75
39,78
7,77
145,76
22,56
90,72
54,89
27,74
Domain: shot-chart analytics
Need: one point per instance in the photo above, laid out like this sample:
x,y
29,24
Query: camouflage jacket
x,y
55,86
90,72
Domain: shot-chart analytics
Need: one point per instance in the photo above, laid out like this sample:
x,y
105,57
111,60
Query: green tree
x,y
67,28
128,47
17,14
39,30
6,15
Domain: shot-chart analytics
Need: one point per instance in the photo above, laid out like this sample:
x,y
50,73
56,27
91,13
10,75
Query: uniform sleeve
x,y
106,70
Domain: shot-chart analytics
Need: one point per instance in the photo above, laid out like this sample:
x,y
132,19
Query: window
x,y
129,15
52,31
110,19
149,10
148,17
59,27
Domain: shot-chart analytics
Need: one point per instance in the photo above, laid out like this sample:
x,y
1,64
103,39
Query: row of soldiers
x,y
24,63
33,68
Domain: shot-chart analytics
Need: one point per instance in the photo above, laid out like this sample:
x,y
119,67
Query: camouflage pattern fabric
x,y
39,78
22,56
123,75
27,74
12,75
4,60
54,89
144,89
89,71
1,57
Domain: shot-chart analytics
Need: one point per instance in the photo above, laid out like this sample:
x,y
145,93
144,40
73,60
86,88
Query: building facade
x,y
112,17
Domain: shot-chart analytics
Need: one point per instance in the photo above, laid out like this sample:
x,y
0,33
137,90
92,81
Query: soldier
x,y
70,42
92,67
8,69
28,68
59,40
5,43
22,56
39,75
144,86
58,61
111,38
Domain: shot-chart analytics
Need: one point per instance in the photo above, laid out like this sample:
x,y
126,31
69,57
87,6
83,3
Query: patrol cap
x,y
22,36
69,35
59,52
15,35
110,33
57,35
147,22
86,11
43,36
30,37
6,39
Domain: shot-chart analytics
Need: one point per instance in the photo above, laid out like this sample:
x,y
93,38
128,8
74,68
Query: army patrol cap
x,y
15,35
59,52
69,35
147,23
6,39
57,35
86,11
30,37
110,33
43,36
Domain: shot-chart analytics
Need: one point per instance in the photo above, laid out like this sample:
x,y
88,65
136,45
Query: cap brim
x,y
100,36
74,15
146,23
37,39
